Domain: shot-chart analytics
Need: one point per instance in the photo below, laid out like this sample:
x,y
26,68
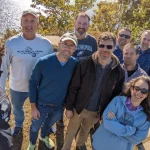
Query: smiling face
x,y
66,48
29,25
81,25
139,92
105,49
124,37
145,40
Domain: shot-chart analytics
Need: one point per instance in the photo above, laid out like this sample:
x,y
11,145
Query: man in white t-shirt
x,y
22,51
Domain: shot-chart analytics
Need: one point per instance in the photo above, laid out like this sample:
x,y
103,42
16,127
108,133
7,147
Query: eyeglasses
x,y
143,91
126,36
65,45
107,46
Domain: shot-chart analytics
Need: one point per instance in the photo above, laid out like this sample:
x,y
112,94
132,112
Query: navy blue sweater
x,y
49,80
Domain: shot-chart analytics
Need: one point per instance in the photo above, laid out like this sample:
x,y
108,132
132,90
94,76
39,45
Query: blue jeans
x,y
49,115
18,99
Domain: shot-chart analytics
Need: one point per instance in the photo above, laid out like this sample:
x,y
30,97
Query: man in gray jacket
x,y
131,67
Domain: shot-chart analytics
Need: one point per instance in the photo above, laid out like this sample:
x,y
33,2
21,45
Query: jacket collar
x,y
115,60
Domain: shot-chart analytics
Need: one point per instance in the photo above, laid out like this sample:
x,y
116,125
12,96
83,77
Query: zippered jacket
x,y
84,79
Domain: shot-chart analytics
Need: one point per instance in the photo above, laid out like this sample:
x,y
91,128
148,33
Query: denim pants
x,y
49,115
18,99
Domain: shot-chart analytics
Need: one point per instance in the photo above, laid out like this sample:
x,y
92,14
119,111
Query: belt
x,y
52,105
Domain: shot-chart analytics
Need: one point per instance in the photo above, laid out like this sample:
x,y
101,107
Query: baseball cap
x,y
69,36
30,11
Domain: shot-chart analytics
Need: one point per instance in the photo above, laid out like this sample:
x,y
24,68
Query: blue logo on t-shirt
x,y
80,53
29,50
84,47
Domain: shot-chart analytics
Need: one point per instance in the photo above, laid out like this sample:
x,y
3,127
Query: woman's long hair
x,y
146,102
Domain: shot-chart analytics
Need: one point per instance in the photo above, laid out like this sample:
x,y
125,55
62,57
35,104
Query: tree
x,y
132,14
60,14
9,33
105,17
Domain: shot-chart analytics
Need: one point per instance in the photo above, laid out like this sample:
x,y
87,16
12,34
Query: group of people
x,y
104,82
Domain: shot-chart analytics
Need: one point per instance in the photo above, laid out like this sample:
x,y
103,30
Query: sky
x,y
26,4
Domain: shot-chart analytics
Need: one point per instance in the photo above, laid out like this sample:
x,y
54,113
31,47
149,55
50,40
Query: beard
x,y
81,31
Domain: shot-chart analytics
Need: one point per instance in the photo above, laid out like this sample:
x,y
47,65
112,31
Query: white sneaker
x,y
31,146
48,142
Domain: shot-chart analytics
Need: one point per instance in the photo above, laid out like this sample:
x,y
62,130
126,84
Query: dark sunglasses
x,y
107,46
143,91
126,36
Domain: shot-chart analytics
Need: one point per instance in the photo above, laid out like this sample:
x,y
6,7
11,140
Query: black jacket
x,y
83,81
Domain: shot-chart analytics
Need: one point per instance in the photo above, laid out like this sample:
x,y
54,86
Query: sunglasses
x,y
107,46
126,36
143,91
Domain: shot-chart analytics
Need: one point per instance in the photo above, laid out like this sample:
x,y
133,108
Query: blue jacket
x,y
119,54
144,61
127,129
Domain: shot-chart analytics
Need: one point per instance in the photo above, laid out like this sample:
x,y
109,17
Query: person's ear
x,y
137,56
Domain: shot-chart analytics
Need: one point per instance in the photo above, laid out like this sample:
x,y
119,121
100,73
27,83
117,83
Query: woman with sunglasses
x,y
126,119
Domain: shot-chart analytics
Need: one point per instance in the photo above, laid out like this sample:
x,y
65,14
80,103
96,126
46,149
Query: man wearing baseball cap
x,y
22,51
48,87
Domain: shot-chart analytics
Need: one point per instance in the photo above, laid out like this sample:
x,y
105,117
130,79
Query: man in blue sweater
x,y
48,87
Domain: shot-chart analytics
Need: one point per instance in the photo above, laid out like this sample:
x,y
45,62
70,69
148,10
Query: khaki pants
x,y
85,121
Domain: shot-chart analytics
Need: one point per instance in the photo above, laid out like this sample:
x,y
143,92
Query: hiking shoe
x,y
31,147
83,147
48,142
140,146
17,131
60,123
